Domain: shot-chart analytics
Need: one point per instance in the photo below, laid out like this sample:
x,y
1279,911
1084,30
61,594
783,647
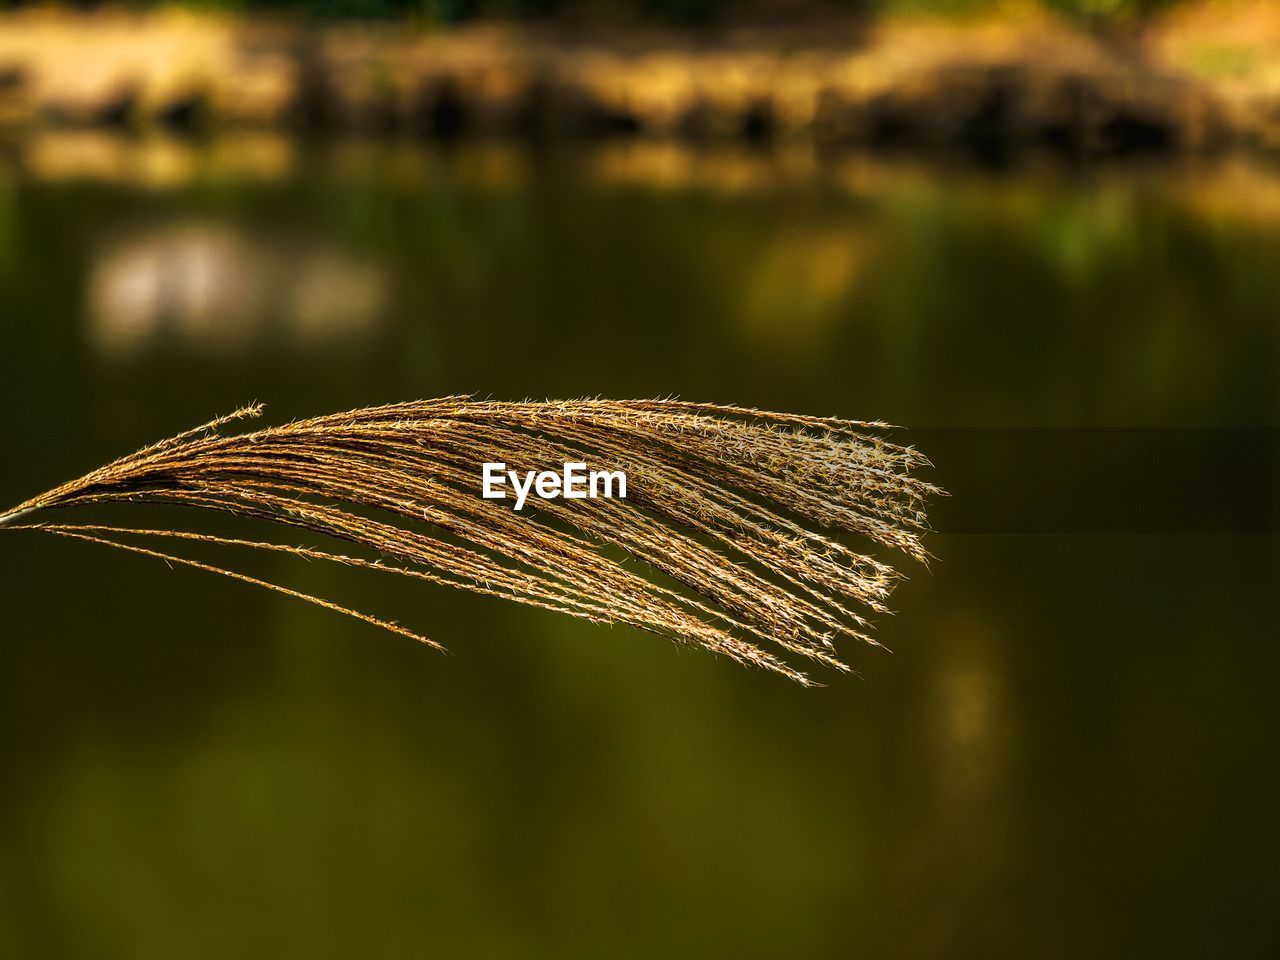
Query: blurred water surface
x,y
1070,752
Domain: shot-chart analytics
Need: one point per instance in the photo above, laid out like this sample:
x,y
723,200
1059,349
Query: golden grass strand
x,y
245,578
729,539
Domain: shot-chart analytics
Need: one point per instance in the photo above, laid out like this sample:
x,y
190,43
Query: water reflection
x,y
961,762
790,254
802,283
155,161
1064,726
1233,189
206,286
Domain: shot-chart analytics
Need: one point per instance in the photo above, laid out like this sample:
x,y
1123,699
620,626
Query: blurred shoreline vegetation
x,y
672,12
989,80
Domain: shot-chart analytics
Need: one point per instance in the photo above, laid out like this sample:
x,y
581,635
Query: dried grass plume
x,y
734,513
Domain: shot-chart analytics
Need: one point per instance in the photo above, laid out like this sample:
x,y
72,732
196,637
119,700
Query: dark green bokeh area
x,y
1070,752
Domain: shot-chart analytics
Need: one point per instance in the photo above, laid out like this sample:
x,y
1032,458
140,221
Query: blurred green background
x,y
1069,753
